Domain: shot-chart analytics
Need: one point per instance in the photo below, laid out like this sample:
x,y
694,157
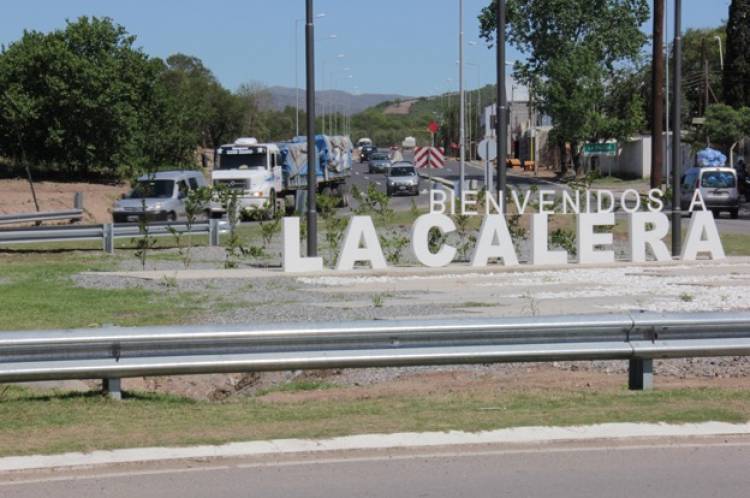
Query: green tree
x,y
737,65
724,126
577,49
76,98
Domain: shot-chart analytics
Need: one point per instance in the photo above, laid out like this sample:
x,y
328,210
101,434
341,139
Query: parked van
x,y
163,193
718,187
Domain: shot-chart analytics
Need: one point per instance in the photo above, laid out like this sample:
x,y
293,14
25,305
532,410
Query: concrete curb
x,y
520,435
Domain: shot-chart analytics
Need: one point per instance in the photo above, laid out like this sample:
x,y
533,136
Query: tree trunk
x,y
657,93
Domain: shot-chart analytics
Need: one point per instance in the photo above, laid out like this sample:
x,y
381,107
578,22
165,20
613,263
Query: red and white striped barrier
x,y
429,157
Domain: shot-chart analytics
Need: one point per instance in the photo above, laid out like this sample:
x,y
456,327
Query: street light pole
x,y
312,153
296,67
677,131
502,104
462,129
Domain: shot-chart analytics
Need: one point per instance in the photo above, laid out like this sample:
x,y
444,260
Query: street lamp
x,y
721,51
296,65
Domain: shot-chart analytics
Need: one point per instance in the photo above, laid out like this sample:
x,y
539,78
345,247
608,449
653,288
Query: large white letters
x,y
494,228
420,234
292,262
640,236
702,236
588,239
361,244
540,253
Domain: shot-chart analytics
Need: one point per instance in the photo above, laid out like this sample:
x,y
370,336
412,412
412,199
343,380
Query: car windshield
x,y
242,160
154,189
402,171
717,179
380,157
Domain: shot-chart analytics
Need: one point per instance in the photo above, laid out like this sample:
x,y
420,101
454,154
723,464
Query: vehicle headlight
x,y
154,207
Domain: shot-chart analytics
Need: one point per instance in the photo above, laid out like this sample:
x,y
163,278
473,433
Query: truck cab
x,y
253,170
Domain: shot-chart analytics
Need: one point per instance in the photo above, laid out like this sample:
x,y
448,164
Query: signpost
x,y
433,128
608,149
487,150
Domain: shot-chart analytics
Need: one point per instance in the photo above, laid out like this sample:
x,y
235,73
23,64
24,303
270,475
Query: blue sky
x,y
388,46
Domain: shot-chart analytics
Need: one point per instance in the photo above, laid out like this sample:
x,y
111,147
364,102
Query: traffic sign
x,y
429,157
605,149
433,127
487,149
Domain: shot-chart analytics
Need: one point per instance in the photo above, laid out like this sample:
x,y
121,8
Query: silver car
x,y
163,195
718,188
402,178
378,162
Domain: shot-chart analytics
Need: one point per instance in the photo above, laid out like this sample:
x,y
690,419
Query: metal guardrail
x,y
113,353
107,232
69,215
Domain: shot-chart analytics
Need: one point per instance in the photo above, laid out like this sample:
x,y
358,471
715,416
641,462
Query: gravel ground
x,y
285,299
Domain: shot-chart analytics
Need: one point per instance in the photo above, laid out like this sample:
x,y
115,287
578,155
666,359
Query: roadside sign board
x,y
433,127
487,149
598,149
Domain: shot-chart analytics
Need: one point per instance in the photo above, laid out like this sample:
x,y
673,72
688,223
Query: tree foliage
x,y
580,57
78,98
737,66
724,126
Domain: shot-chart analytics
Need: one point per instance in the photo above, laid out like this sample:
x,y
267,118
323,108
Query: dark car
x,y
366,151
378,162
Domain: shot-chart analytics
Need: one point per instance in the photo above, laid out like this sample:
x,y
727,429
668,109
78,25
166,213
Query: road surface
x,y
698,469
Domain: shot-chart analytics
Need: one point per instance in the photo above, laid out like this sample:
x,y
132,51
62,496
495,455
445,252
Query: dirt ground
x,y
342,384
15,197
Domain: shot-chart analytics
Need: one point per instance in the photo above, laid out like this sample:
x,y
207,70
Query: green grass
x,y
736,244
48,422
38,293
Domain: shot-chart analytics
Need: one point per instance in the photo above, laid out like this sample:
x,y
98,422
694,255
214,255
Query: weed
x,y
686,297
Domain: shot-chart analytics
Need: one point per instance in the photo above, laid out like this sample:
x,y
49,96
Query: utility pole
x,y
657,93
502,118
312,153
677,131
462,116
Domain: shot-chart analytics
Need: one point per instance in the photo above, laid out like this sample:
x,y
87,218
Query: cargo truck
x,y
273,176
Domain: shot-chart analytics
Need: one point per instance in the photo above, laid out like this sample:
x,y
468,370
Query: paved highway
x,y
717,468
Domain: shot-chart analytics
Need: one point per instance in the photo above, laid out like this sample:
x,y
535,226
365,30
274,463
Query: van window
x,y
688,181
717,179
183,189
193,183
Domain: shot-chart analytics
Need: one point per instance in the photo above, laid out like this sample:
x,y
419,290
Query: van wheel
x,y
716,213
734,213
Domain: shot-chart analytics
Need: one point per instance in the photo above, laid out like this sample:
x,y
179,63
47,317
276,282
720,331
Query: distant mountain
x,y
285,96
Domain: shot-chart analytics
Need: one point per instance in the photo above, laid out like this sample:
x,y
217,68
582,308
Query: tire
x,y
734,213
716,213
171,217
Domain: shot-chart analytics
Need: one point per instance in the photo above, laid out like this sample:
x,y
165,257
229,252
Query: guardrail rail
x,y
112,353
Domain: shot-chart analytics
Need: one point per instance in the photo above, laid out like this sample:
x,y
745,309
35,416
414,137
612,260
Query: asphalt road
x,y
361,178
697,470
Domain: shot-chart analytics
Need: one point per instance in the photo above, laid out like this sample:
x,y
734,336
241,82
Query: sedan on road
x,y
378,162
402,178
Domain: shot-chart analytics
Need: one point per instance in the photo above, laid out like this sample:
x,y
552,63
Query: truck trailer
x,y
273,176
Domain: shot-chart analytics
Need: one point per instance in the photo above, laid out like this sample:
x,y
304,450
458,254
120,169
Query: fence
x,y
113,353
107,233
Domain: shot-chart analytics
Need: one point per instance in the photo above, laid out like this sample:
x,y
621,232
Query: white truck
x,y
274,175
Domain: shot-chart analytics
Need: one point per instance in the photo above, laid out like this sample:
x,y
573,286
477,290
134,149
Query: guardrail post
x,y
108,238
78,200
641,374
214,236
112,388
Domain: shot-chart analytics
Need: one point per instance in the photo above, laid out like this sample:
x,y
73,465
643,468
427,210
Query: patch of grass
x,y
686,297
298,385
736,244
39,293
52,422
474,304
